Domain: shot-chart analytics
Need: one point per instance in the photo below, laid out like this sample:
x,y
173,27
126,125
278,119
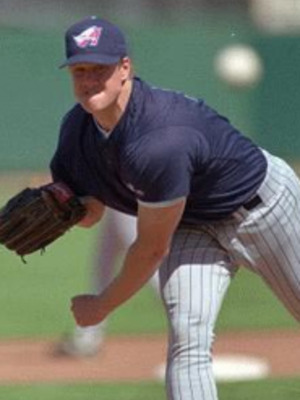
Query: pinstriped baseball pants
x,y
196,275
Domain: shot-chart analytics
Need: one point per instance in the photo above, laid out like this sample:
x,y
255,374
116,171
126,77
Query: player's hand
x,y
86,309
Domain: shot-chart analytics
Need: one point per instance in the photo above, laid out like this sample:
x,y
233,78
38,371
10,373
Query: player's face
x,y
97,87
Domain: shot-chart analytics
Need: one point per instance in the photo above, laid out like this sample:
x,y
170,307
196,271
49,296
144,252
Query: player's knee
x,y
192,338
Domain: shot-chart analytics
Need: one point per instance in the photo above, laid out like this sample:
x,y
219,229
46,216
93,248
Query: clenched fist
x,y
86,309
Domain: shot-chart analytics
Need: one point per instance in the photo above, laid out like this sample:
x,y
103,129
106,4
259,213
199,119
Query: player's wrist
x,y
95,210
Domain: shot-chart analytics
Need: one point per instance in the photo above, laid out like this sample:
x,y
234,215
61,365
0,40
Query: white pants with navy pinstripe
x,y
196,275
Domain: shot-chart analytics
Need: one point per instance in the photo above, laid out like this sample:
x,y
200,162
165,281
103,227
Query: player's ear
x,y
126,68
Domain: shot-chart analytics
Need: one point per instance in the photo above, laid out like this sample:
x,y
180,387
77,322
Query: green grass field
x,y
280,389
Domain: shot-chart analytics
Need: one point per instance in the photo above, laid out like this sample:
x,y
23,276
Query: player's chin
x,y
94,104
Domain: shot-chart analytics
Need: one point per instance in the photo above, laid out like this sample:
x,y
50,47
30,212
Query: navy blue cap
x,y
94,40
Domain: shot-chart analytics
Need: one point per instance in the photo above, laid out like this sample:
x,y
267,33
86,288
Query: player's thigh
x,y
126,227
194,279
280,267
268,240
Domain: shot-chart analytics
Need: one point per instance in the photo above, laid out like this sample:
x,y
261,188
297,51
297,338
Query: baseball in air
x,y
239,66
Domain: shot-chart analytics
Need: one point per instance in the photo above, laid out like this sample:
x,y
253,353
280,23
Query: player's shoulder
x,y
73,116
163,107
72,123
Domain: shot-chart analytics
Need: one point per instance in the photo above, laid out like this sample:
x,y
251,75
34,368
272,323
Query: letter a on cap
x,y
89,37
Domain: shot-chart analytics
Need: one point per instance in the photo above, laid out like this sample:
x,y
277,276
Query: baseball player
x,y
118,233
207,199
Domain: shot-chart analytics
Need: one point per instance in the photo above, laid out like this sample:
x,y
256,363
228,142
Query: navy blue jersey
x,y
165,146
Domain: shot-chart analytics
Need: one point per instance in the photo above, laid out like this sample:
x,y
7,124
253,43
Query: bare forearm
x,y
139,265
155,230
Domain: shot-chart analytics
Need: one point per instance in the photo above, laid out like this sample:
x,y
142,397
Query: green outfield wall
x,y
35,93
277,104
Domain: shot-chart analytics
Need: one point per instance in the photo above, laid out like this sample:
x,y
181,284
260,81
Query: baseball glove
x,y
36,217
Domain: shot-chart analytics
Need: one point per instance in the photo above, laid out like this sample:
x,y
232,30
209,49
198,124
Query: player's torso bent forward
x,y
166,146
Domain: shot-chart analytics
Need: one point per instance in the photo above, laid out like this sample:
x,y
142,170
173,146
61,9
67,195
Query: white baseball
x,y
239,66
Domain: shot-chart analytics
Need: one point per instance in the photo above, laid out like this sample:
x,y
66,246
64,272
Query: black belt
x,y
255,201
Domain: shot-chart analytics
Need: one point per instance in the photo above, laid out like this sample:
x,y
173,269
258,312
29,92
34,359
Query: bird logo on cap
x,y
89,37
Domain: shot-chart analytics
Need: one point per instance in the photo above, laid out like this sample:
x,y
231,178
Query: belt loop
x,y
252,203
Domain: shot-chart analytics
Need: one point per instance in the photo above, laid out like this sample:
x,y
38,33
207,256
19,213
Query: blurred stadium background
x,y
173,44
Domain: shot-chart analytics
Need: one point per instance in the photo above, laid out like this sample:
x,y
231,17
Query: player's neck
x,y
109,118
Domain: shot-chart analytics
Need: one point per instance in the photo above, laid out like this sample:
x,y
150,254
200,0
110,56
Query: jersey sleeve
x,y
60,170
57,169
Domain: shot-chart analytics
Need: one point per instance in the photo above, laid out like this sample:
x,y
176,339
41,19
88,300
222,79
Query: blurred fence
x,y
52,13
175,53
